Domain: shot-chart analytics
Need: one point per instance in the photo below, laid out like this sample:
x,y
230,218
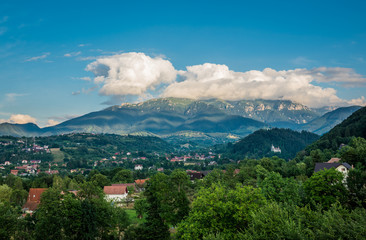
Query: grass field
x,y
58,155
133,216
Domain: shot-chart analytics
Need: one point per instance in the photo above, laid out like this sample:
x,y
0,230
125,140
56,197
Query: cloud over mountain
x,y
131,73
19,119
138,74
218,81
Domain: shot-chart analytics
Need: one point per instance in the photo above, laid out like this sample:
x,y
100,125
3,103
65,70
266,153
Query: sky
x,y
62,59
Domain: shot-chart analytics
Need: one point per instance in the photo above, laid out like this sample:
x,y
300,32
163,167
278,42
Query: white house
x,y
138,167
275,149
340,167
115,193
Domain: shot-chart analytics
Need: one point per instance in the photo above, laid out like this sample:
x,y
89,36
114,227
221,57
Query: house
x,y
14,172
33,200
140,183
138,167
7,163
334,160
125,184
195,175
24,161
275,149
341,167
115,193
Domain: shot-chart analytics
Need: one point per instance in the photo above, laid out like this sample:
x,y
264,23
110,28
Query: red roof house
x,y
115,193
33,200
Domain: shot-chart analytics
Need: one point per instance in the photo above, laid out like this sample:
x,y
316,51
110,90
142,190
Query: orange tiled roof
x,y
141,181
110,190
35,194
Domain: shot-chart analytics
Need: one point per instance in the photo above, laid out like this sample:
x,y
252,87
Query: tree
x,y
123,176
356,186
280,189
273,221
220,210
8,220
325,187
154,227
355,153
5,193
100,180
122,220
140,207
49,216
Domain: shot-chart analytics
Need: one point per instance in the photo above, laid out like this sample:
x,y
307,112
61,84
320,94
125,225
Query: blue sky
x,y
46,48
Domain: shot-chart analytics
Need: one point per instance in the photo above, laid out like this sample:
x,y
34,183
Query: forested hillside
x,y
258,144
353,126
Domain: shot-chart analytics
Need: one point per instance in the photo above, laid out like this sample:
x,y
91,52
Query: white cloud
x,y
72,54
358,101
11,97
52,122
86,79
36,58
131,73
218,81
345,76
19,119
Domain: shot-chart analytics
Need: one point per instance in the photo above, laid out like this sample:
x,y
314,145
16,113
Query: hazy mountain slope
x,y
168,116
164,116
326,122
19,130
267,110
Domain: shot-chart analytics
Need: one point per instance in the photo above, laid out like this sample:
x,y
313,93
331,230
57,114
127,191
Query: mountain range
x,y
212,120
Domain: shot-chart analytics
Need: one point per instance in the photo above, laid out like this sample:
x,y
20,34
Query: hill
x,y
19,130
353,126
258,144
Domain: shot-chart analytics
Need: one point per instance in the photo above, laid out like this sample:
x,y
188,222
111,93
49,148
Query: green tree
x,y
123,176
280,189
220,210
122,220
326,187
273,221
154,227
5,193
8,220
141,207
49,216
356,186
100,180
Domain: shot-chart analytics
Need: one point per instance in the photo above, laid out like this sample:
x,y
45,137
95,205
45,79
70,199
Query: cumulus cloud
x,y
51,122
218,81
345,76
131,73
19,119
36,58
72,54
